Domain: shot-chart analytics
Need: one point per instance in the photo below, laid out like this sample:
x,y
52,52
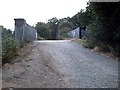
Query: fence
x,y
24,32
74,33
79,33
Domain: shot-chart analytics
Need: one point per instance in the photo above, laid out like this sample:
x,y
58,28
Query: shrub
x,y
9,49
115,50
89,44
103,47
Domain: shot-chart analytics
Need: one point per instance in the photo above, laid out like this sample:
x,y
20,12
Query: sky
x,y
34,11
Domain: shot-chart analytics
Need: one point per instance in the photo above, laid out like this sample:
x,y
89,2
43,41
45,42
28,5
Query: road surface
x,y
61,64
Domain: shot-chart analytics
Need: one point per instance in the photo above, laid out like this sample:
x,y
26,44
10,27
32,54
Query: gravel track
x,y
61,64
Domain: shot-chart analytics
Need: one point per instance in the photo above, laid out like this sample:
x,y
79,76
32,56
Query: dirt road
x,y
61,64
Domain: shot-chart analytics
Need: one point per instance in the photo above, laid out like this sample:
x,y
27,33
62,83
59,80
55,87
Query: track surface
x,y
61,64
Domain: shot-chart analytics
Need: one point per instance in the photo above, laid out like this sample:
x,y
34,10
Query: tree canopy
x,y
103,21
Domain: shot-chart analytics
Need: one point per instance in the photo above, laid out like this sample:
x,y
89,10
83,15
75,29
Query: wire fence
x,y
77,33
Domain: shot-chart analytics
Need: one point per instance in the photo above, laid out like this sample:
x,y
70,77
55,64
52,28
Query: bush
x,y
63,36
89,44
115,50
9,49
103,47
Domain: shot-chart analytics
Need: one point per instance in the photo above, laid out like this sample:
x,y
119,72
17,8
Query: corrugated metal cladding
x,y
23,31
79,32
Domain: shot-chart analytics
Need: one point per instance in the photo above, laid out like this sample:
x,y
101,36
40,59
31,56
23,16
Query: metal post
x,y
80,33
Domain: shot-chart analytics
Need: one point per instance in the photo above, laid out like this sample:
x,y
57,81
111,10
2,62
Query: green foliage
x,y
63,36
89,44
105,27
103,21
54,28
6,33
64,27
47,30
42,30
82,18
9,49
9,46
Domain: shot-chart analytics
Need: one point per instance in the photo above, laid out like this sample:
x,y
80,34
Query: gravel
x,y
62,64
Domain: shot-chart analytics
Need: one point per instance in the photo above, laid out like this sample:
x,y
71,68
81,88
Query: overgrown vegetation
x,y
54,28
9,46
42,30
103,21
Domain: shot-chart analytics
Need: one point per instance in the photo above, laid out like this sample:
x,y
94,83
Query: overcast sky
x,y
34,11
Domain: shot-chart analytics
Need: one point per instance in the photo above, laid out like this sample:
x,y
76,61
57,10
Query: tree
x,y
10,46
103,21
43,30
64,27
105,27
53,26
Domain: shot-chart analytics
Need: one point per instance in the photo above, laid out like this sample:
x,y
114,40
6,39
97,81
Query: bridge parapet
x,y
24,32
